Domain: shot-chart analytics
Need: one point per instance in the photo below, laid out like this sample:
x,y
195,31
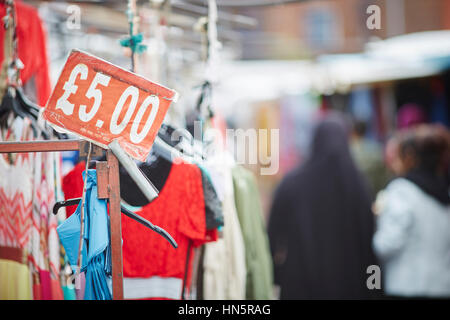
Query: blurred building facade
x,y
308,28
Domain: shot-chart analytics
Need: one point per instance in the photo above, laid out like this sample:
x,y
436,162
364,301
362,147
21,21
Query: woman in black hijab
x,y
321,224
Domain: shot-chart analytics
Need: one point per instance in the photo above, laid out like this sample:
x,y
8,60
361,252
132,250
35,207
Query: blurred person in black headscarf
x,y
321,224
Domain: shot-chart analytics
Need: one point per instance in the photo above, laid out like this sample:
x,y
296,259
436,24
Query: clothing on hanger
x,y
224,269
72,185
157,171
14,280
213,206
27,190
257,250
45,245
16,189
32,41
96,260
157,270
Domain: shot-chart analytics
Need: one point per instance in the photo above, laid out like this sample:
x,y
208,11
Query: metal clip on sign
x,y
141,180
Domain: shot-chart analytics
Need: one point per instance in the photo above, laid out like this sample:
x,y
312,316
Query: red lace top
x,y
180,210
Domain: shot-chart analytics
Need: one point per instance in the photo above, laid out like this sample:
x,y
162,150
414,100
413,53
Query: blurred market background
x,y
279,62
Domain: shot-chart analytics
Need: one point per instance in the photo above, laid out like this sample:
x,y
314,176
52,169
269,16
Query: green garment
x,y
369,159
69,293
257,250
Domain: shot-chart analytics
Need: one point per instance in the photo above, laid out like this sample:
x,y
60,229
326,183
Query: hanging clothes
x,y
69,234
259,281
96,260
213,206
98,271
14,281
53,240
224,269
157,171
67,289
180,210
27,193
158,270
32,175
69,292
72,185
31,44
16,190
214,220
45,244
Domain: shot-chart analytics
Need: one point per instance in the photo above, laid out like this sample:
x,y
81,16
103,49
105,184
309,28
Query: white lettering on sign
x,y
134,135
92,92
70,88
130,96
132,92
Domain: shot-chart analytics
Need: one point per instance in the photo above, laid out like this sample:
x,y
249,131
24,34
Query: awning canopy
x,y
403,57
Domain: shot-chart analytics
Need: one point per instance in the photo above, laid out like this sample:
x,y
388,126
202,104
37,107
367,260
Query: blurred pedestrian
x,y
392,155
321,224
413,235
394,164
368,155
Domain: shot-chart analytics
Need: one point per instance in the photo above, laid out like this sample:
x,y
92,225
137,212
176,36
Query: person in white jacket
x,y
413,229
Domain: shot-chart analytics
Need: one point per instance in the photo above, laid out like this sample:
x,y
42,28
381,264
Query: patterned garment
x,y
45,244
27,196
16,186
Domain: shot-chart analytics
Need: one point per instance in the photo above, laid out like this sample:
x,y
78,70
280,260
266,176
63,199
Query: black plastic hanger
x,y
31,109
205,98
27,105
126,212
10,103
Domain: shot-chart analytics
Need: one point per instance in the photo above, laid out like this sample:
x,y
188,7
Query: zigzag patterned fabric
x,y
16,190
27,194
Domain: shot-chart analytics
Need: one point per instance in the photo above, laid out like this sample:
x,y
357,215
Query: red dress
x,y
31,43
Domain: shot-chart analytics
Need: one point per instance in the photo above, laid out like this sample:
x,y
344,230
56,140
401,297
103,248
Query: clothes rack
x,y
108,188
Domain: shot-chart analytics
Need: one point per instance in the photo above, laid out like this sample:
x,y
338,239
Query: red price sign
x,y
102,102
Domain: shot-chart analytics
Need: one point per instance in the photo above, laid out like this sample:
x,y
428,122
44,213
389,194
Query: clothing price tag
x,y
101,102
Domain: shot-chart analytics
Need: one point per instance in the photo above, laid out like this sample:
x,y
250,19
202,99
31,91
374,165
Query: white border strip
x,y
153,287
